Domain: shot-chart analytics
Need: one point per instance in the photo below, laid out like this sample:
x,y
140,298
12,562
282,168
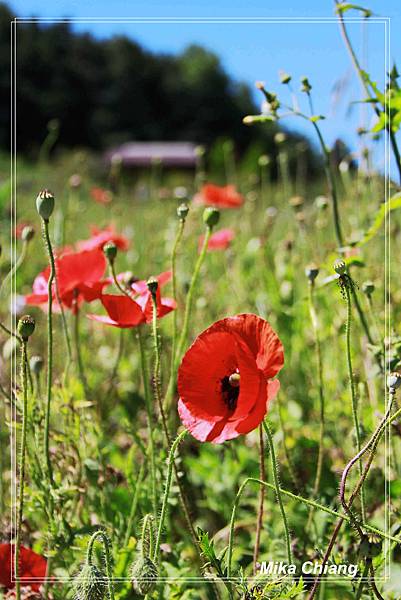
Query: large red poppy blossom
x,y
32,567
219,196
225,379
99,237
79,278
100,195
220,240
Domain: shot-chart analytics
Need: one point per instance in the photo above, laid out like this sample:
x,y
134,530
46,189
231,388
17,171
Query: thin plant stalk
x,y
319,364
177,241
187,315
117,361
262,476
21,461
277,488
77,341
107,558
16,266
354,401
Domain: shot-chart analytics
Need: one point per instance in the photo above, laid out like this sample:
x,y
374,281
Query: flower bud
x,y
263,160
284,77
340,267
321,202
36,363
45,204
311,271
110,251
211,217
280,137
368,287
144,575
90,584
182,211
393,381
296,202
27,233
75,181
305,85
26,327
152,284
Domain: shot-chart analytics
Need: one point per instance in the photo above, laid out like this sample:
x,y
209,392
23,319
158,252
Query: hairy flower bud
x,y
311,271
144,575
45,204
110,251
340,267
36,363
182,211
27,233
211,216
393,381
26,327
90,584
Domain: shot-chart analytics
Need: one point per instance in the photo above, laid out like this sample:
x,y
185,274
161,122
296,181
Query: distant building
x,y
144,154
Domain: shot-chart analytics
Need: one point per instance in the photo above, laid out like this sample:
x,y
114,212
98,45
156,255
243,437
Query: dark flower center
x,y
230,386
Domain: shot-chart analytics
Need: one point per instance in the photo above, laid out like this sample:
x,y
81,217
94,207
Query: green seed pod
x,y
368,287
110,251
311,271
144,574
26,327
182,211
90,584
211,217
340,267
27,233
45,204
36,363
152,284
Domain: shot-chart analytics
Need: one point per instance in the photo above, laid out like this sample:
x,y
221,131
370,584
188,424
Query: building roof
x,y
143,154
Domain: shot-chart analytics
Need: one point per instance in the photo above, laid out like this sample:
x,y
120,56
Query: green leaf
x,y
392,204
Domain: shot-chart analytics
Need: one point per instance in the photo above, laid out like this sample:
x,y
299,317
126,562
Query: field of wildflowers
x,y
199,376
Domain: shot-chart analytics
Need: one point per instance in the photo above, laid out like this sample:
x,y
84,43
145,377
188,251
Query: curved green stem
x,y
170,467
277,488
107,557
21,464
354,402
16,266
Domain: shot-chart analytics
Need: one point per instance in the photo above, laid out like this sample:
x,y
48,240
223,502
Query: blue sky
x,y
255,51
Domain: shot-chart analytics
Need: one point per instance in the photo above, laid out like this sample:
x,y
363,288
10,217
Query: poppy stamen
x,y
230,390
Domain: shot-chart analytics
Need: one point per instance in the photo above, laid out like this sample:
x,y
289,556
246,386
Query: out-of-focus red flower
x,y
225,378
219,196
79,277
32,567
99,237
100,195
121,312
219,240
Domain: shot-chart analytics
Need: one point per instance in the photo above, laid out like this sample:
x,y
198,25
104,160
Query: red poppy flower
x,y
219,196
164,305
121,312
32,567
100,195
101,236
79,279
219,240
225,378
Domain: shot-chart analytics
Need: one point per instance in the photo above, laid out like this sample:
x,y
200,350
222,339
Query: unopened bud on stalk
x,y
27,233
152,284
264,160
305,85
26,327
144,575
340,267
45,204
36,363
284,77
182,211
110,251
297,202
393,381
368,287
211,216
311,271
280,137
90,584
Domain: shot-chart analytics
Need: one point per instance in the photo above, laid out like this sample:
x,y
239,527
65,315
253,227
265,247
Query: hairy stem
x,y
262,476
177,241
107,558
